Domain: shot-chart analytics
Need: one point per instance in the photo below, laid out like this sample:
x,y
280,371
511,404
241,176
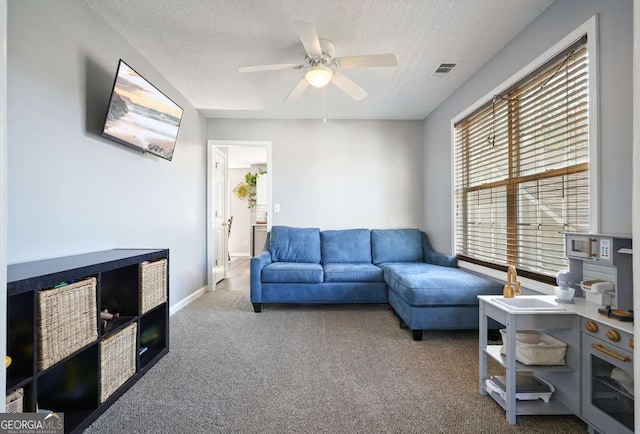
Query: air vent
x,y
444,69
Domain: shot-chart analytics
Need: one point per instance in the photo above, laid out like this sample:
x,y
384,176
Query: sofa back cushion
x,y
396,245
346,246
289,244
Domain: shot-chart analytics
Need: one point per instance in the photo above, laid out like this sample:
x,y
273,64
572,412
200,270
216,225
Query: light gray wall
x,y
71,191
342,174
3,195
636,189
241,227
615,68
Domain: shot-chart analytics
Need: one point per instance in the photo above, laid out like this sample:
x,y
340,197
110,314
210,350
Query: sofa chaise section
x,y
427,290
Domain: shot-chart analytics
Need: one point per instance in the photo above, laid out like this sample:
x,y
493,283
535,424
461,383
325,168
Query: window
x,y
522,169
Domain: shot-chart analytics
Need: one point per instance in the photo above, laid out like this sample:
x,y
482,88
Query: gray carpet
x,y
311,369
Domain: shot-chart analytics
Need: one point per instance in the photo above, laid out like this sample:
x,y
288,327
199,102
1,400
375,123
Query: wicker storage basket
x,y
118,362
14,402
67,320
153,284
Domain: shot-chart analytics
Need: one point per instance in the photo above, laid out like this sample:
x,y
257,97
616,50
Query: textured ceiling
x,y
198,46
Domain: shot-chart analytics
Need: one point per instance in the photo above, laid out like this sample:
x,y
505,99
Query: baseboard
x,y
185,301
242,255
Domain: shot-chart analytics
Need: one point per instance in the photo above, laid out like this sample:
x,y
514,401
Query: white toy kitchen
x,y
591,332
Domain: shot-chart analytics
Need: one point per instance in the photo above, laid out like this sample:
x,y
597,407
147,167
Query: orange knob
x,y
591,326
631,344
613,335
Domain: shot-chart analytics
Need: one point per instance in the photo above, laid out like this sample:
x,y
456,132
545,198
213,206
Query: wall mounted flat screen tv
x,y
141,116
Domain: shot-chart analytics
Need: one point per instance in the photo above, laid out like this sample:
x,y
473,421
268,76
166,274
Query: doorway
x,y
220,223
233,217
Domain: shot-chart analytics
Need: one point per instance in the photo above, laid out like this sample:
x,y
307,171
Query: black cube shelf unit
x,y
72,385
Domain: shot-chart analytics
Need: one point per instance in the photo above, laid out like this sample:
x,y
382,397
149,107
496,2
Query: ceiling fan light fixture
x,y
319,75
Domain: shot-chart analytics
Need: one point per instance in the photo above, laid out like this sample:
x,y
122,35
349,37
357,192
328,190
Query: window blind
x,y
522,169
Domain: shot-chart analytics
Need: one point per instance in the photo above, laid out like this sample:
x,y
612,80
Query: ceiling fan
x,y
322,67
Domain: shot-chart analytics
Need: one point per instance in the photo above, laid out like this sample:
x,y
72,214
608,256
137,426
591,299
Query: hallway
x,y
239,275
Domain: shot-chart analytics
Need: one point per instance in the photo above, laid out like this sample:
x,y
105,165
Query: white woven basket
x,y
536,348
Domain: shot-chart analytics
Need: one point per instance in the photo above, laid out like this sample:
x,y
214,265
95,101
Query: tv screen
x,y
141,116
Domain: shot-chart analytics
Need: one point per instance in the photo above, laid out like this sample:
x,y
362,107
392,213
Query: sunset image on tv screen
x,y
142,116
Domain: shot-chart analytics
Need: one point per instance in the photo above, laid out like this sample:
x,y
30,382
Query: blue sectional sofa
x,y
426,289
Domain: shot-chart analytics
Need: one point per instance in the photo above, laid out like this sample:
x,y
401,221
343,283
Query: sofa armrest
x,y
432,257
255,283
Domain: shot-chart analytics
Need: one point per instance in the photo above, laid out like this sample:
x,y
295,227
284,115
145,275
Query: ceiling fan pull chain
x,y
324,98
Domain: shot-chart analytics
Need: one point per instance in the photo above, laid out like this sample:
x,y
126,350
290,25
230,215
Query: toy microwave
x,y
596,286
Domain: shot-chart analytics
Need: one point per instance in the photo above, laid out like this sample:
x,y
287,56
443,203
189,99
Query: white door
x,y
219,216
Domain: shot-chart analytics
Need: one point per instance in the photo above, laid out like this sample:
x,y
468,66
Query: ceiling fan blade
x,y
309,38
366,61
278,67
298,90
349,87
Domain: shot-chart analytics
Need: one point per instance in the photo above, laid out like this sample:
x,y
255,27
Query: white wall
x,y
342,174
240,229
636,192
3,194
615,52
71,191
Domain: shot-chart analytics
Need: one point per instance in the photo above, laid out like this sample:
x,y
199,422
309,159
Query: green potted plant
x,y
247,189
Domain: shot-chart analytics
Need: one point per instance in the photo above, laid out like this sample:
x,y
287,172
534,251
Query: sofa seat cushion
x,y
288,272
396,245
352,273
347,246
433,285
288,244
